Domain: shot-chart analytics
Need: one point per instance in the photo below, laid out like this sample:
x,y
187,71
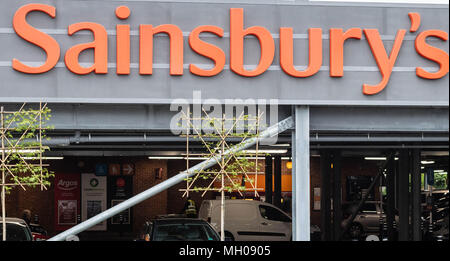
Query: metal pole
x,y
268,133
325,195
222,193
3,176
337,194
416,200
390,200
277,181
268,179
403,196
301,176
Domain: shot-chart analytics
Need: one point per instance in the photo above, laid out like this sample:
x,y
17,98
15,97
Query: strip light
x,y
204,158
425,162
20,151
378,158
281,151
165,157
43,158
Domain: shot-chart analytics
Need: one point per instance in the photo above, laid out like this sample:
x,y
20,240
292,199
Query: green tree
x,y
21,135
233,165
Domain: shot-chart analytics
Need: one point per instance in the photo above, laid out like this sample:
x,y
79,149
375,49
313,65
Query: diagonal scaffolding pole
x,y
365,197
268,133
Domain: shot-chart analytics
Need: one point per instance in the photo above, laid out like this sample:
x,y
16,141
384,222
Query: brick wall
x,y
143,179
175,197
33,199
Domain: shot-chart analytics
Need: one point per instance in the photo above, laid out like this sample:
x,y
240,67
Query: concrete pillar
x,y
416,199
337,195
268,179
277,181
390,199
325,195
403,195
301,176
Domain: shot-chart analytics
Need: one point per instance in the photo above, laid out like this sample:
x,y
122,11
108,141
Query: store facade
x,y
359,80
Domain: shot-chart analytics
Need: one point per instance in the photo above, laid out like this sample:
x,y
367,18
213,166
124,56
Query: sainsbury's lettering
x,y
385,61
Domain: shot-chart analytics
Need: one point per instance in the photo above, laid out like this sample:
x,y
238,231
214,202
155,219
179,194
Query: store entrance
x,y
398,194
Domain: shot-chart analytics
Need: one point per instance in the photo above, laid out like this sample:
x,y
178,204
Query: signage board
x,y
87,53
114,169
93,195
128,169
67,200
120,188
101,169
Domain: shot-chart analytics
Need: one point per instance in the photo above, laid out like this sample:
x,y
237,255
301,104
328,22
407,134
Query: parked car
x,y
367,220
442,202
39,233
248,220
440,225
16,230
178,229
438,202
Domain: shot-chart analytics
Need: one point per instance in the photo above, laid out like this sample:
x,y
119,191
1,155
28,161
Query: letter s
x,y
432,53
36,37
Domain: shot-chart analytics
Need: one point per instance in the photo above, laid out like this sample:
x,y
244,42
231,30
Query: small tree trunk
x,y
2,126
3,214
222,204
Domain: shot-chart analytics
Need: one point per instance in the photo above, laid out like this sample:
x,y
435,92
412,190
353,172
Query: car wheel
x,y
355,230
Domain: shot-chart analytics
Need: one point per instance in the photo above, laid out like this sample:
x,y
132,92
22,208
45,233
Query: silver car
x,y
16,230
367,221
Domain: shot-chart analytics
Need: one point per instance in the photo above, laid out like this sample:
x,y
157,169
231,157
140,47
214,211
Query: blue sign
x,y
101,169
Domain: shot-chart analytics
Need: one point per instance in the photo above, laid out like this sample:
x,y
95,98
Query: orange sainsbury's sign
x,y
337,37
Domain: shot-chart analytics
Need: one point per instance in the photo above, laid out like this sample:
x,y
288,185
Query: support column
x,y
301,176
416,200
337,195
268,179
325,195
277,181
390,199
403,195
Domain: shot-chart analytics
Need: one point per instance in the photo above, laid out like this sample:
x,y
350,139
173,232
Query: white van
x,y
248,220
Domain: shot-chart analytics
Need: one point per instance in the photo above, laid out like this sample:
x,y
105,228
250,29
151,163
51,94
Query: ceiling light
x,y
378,158
281,151
43,158
289,165
375,158
21,151
281,145
425,162
165,157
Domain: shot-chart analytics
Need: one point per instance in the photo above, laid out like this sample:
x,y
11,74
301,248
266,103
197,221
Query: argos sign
x,y
67,184
337,36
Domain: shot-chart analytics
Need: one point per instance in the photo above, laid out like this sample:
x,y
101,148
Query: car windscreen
x,y
184,232
271,213
16,232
